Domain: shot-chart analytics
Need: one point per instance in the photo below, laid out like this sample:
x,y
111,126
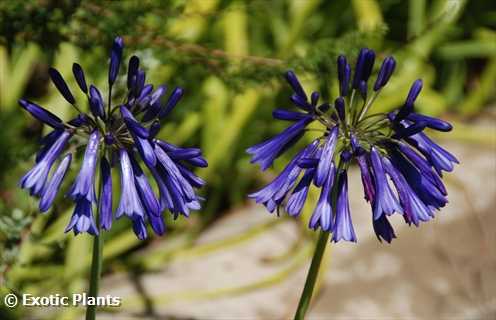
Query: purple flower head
x,y
115,134
400,166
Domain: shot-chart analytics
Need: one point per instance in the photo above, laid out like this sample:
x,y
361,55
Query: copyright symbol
x,y
10,300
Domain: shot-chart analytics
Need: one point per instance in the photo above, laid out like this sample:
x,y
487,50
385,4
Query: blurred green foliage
x,y
229,56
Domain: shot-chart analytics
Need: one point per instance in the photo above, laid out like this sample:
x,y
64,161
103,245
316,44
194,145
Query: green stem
x,y
96,269
313,272
96,262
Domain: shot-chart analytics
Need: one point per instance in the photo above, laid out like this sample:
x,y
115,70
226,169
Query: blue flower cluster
x,y
120,135
391,150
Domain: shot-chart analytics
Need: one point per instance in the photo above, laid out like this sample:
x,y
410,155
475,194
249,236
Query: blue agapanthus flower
x,y
116,137
401,167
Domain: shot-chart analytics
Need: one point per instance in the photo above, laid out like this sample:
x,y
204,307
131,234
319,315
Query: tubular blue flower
x,y
42,114
61,85
441,159
78,73
368,66
387,69
360,67
145,149
125,134
177,193
325,162
115,59
427,192
322,215
297,199
433,123
383,229
145,191
96,102
47,142
368,184
414,208
82,218
404,132
266,152
339,105
105,203
282,114
157,223
344,75
132,70
53,186
296,85
384,201
343,226
132,124
130,203
157,94
84,185
175,175
362,88
174,98
410,100
139,227
380,144
36,178
423,166
276,190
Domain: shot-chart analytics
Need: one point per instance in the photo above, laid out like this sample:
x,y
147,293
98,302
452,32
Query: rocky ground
x,y
446,269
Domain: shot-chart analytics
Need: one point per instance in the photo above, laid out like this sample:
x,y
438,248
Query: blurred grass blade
x,y
368,14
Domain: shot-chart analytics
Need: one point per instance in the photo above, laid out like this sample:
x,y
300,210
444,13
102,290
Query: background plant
x,y
230,57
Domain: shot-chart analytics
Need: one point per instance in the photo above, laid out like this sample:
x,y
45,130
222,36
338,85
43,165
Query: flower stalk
x,y
96,263
96,270
313,272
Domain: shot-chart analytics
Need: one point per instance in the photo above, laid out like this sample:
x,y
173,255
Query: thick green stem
x,y
313,272
96,269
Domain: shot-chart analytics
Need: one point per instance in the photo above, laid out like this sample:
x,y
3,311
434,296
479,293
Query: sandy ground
x,y
446,269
